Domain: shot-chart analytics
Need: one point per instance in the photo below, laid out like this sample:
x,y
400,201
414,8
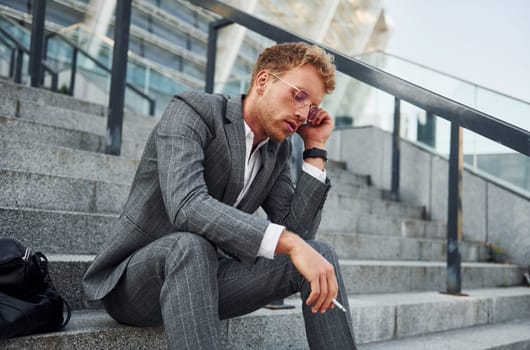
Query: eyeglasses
x,y
301,99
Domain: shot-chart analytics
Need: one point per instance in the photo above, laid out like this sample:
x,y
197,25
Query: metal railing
x,y
18,50
76,50
16,63
459,115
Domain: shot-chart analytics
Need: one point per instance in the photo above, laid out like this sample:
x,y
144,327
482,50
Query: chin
x,y
279,139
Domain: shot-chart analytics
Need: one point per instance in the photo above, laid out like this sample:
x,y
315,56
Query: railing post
x,y
212,52
118,77
55,81
73,72
12,63
152,107
44,59
37,41
18,66
454,214
396,152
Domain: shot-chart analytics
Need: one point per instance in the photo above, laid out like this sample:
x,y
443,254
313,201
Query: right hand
x,y
319,273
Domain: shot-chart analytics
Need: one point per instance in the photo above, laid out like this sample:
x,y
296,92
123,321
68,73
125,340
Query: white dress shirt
x,y
252,166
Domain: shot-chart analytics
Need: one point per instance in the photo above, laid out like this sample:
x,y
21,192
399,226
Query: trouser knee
x,y
189,248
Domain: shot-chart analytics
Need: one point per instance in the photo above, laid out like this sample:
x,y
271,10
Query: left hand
x,y
317,131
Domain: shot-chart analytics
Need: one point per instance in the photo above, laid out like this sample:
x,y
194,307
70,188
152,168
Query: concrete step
x,y
43,191
360,276
56,231
512,335
66,272
14,96
20,129
337,200
346,220
63,231
355,190
47,192
27,156
376,318
71,119
402,315
379,247
339,174
386,276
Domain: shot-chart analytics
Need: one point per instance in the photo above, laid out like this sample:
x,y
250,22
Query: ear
x,y
261,81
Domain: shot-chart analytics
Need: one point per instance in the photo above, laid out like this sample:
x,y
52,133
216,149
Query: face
x,y
279,114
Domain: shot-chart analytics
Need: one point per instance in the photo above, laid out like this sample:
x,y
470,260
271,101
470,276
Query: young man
x,y
187,251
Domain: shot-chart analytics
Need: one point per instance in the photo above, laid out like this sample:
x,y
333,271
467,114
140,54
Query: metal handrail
x,y
77,49
21,49
486,125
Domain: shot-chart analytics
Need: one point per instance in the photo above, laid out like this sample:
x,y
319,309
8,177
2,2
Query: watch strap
x,y
315,153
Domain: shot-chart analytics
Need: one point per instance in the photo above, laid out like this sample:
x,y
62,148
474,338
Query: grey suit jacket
x,y
188,179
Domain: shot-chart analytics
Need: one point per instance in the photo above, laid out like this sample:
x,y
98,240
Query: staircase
x,y
60,193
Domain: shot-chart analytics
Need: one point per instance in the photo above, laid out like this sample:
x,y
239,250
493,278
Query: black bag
x,y
29,302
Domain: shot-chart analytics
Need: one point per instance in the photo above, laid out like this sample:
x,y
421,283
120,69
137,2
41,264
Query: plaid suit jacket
x,y
188,179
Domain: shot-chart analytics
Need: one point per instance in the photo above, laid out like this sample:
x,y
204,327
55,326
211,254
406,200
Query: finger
x,y
333,289
329,289
319,117
333,284
321,303
323,118
315,292
313,117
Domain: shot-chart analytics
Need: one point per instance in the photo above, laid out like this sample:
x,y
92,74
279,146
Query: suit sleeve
x,y
181,139
298,208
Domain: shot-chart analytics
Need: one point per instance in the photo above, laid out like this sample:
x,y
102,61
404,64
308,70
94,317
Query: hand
x,y
318,272
317,130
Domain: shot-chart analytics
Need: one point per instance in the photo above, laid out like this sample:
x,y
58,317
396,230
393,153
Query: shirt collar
x,y
249,136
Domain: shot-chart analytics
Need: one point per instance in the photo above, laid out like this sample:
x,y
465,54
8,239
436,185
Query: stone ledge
x,y
377,318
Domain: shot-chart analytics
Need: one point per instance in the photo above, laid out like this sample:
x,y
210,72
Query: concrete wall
x,y
491,213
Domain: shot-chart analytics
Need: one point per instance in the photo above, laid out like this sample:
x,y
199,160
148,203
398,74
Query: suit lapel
x,y
235,135
268,160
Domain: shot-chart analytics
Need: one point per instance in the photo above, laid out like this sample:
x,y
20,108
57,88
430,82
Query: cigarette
x,y
339,305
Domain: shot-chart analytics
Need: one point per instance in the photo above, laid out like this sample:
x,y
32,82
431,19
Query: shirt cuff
x,y
312,170
270,240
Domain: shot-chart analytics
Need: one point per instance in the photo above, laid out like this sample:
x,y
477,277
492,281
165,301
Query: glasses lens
x,y
301,98
313,111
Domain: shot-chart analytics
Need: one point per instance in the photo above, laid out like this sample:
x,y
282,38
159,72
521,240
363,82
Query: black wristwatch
x,y
315,153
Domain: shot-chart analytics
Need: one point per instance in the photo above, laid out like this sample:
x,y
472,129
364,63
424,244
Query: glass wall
x,y
480,154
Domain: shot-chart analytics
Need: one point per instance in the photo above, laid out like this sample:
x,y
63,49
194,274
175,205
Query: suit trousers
x,y
182,282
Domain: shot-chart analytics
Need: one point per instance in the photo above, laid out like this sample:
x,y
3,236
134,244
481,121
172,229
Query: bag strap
x,y
68,313
43,265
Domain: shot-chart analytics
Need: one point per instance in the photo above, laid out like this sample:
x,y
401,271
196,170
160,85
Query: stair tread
x,y
67,212
66,257
431,297
486,337
352,262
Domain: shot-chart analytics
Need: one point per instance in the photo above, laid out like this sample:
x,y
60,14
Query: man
x,y
187,251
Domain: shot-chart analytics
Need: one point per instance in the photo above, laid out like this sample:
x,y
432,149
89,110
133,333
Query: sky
x,y
486,42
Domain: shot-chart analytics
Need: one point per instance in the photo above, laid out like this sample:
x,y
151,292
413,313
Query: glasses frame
x,y
313,109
